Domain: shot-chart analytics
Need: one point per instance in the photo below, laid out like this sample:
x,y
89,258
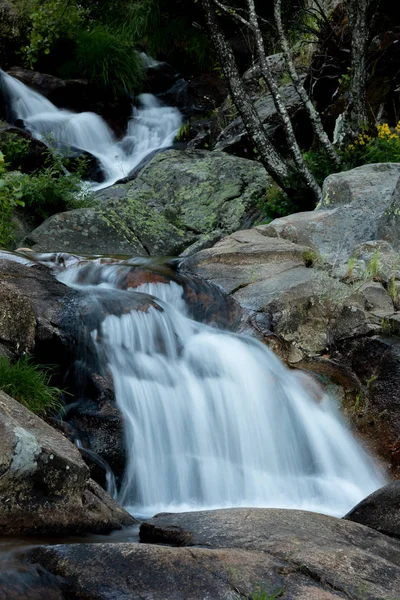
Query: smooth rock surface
x,y
332,552
231,554
45,485
178,199
34,309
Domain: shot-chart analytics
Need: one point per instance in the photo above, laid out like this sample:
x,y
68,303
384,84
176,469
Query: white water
x,y
152,126
215,420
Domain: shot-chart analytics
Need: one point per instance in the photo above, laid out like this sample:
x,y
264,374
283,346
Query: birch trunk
x,y
266,73
270,158
315,118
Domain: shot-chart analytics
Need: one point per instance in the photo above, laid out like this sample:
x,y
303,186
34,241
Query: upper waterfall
x,y
151,127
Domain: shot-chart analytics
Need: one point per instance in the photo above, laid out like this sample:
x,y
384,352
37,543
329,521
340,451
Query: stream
x,y
212,418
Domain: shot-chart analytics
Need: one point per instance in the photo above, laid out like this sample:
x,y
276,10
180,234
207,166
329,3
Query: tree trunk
x,y
315,119
269,157
302,168
356,118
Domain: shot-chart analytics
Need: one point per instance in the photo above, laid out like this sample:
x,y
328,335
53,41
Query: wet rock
x,y
176,200
135,571
67,93
29,582
375,362
82,230
33,310
45,485
380,510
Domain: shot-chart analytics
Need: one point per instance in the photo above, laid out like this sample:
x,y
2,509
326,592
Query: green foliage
x,y
43,193
10,198
276,204
373,266
262,594
365,149
107,58
311,258
167,32
183,133
319,164
30,385
15,148
48,21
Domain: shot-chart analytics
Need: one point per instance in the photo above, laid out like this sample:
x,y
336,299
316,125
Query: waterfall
x,y
214,419
151,127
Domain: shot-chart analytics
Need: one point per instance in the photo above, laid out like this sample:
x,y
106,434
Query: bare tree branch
x,y
305,98
280,106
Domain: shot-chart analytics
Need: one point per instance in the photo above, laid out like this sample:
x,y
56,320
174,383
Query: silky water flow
x,y
152,126
214,419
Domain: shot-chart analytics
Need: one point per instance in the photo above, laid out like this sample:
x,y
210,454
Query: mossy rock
x,y
179,199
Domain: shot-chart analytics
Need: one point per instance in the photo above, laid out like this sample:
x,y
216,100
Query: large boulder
x,y
380,510
234,553
45,485
178,199
358,206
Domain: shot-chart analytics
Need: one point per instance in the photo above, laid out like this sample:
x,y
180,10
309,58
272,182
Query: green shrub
x,y
48,21
319,164
10,198
49,190
166,31
15,149
107,58
29,384
276,204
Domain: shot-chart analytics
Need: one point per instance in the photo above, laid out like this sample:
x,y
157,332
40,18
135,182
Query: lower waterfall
x,y
214,419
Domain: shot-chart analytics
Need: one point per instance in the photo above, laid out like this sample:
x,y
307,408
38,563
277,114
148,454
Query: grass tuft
x,y
29,384
107,58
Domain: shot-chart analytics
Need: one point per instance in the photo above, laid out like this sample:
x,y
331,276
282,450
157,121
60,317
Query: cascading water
x,y
214,419
152,126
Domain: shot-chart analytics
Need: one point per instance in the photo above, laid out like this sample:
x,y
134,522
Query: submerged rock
x,y
45,485
178,199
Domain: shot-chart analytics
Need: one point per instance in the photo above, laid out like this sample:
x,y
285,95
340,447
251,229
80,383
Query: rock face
x,y
230,554
45,485
380,510
234,138
178,199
